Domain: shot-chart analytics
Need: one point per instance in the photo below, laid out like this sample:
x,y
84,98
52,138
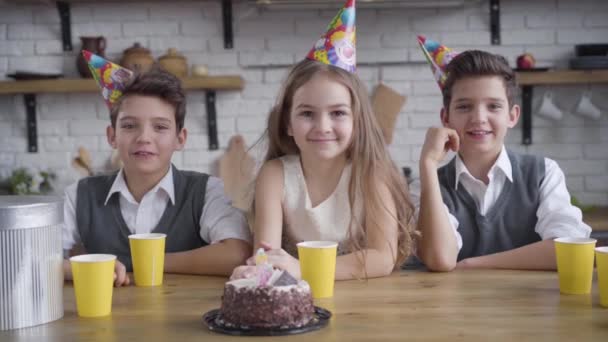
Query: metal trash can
x,y
31,259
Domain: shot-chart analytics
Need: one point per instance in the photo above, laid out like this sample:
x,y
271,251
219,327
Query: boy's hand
x,y
67,269
437,143
120,275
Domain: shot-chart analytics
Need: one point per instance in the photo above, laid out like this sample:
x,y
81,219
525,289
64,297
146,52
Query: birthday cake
x,y
271,299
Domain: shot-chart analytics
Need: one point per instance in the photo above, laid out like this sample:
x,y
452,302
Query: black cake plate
x,y
215,323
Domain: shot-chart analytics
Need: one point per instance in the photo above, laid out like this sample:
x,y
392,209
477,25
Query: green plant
x,y
584,208
22,182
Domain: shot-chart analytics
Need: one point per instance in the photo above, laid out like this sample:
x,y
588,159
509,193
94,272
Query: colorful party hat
x,y
337,46
438,56
112,78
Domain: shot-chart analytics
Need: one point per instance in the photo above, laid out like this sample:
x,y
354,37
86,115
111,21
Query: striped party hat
x,y
111,78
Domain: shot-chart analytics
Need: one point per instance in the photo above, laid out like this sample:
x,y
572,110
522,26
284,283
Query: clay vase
x,y
174,63
96,45
137,59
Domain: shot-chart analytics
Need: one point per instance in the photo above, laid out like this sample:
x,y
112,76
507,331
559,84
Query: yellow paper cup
x,y
318,266
93,276
574,264
601,258
148,256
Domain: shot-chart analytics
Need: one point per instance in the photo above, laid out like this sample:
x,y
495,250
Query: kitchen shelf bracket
x,y
66,24
211,119
31,125
495,21
526,113
227,22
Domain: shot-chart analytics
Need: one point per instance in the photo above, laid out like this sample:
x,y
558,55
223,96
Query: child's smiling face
x,y
321,118
146,135
479,111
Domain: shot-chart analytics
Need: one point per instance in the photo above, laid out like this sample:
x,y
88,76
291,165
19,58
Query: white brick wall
x,y
127,12
14,15
552,19
16,47
582,36
22,31
178,11
48,15
267,42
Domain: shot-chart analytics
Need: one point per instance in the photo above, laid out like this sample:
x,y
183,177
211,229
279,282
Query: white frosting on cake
x,y
301,286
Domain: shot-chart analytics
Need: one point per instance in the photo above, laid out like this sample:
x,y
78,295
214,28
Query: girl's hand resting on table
x,y
241,272
278,258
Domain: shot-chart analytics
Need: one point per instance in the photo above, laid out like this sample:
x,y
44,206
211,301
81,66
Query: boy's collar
x,y
120,186
502,163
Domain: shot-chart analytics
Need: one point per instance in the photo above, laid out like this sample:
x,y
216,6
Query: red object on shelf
x,y
526,61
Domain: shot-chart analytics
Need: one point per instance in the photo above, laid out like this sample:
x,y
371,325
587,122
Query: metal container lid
x,y
24,212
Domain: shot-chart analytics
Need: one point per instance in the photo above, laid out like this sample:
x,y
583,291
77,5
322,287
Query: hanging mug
x,y
547,107
586,108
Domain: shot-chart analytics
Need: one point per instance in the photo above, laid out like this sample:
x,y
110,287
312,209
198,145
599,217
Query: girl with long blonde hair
x,y
328,176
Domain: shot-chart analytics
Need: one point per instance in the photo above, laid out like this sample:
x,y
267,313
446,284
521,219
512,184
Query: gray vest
x,y
510,222
103,230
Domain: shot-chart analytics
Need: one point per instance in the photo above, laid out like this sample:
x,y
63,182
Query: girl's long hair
x,y
371,162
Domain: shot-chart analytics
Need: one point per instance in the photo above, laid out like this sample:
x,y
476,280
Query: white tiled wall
x,y
266,42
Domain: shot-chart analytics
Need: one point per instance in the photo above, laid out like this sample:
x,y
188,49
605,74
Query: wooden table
x,y
407,306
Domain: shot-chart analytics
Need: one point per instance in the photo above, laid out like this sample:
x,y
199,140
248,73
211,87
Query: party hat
x,y
438,56
112,78
337,46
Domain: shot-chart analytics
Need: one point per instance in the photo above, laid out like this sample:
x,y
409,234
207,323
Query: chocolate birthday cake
x,y
279,301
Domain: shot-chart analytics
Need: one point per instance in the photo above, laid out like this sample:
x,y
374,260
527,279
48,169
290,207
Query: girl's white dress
x,y
328,221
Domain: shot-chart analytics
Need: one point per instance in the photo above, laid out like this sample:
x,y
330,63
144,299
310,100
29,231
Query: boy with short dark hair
x,y
205,233
489,207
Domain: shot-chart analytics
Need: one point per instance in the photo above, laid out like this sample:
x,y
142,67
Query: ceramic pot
x,y
137,59
174,63
96,45
200,70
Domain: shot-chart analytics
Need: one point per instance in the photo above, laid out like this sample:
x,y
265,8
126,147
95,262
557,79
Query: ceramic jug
x,y
96,45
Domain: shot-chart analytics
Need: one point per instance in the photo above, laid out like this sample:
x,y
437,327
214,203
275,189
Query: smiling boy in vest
x,y
489,207
205,233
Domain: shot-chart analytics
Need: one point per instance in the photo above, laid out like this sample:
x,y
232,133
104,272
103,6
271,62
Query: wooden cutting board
x,y
387,104
236,169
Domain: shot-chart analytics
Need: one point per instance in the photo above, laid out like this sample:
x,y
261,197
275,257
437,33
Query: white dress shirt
x,y
219,219
557,217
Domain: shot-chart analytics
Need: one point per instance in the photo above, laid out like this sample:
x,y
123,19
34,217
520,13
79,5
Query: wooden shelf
x,y
527,81
30,89
562,77
89,85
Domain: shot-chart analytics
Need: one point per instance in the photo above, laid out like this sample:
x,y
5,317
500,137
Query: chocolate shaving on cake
x,y
266,307
285,279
